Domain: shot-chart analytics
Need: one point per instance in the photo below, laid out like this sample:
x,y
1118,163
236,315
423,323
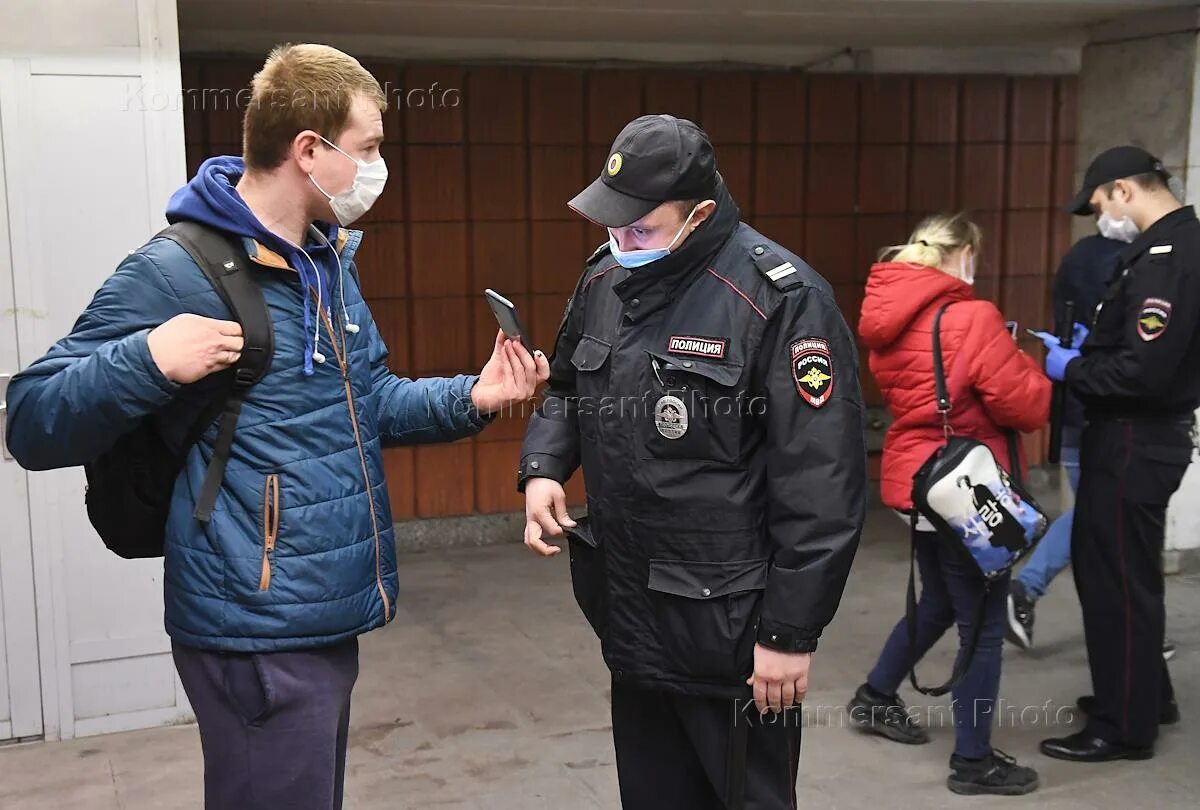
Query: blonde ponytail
x,y
935,238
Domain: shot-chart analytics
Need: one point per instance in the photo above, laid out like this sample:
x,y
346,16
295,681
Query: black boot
x,y
997,774
884,715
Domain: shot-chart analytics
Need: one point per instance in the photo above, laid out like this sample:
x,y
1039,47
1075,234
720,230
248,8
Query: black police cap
x,y
656,158
1114,164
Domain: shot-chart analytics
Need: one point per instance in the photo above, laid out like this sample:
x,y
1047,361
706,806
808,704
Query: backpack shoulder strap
x,y
224,263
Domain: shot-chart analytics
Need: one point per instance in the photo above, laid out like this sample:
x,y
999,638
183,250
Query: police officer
x,y
1138,375
708,384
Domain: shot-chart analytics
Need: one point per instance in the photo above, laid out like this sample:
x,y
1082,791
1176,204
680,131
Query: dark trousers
x,y
950,594
680,752
273,726
1128,472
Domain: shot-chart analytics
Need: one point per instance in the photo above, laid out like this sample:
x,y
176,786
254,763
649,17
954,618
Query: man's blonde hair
x,y
301,87
935,238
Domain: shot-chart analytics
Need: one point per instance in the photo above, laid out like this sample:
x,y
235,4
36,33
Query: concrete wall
x,y
1138,91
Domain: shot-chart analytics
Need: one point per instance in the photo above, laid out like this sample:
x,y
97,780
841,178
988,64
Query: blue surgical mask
x,y
640,258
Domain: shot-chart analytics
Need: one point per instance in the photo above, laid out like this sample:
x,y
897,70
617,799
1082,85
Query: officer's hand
x,y
780,679
1057,361
545,512
510,377
189,347
1079,333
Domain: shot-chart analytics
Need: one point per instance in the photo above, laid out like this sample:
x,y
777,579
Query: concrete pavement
x,y
488,692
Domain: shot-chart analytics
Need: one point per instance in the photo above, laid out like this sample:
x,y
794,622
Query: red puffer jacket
x,y
993,384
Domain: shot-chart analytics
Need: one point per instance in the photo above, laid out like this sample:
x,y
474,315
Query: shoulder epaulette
x,y
779,271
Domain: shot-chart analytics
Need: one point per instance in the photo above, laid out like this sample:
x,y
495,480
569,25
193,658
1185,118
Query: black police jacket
x,y
1142,358
713,401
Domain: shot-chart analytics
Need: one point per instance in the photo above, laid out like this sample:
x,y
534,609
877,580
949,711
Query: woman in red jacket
x,y
994,388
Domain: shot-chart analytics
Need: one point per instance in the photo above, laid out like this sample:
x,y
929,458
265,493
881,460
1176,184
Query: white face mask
x,y
966,269
1123,230
369,180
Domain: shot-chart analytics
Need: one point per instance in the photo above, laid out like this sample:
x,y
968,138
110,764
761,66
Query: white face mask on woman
x,y
966,269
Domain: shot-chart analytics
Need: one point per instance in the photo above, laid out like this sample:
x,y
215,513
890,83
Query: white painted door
x,y
94,148
20,688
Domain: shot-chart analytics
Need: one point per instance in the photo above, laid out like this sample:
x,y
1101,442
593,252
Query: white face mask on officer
x,y
1123,230
369,180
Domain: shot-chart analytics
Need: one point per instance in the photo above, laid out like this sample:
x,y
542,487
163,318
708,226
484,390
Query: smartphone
x,y
506,314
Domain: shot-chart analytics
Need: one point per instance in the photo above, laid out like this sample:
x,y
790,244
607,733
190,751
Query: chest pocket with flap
x,y
693,409
591,379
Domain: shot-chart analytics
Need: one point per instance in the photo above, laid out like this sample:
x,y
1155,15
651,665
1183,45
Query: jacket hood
x,y
211,198
897,292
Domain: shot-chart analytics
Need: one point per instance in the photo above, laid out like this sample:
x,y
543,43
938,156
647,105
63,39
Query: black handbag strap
x,y
941,390
1014,457
961,664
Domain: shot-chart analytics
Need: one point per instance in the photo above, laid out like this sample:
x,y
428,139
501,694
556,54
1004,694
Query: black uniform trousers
x,y
683,752
1128,471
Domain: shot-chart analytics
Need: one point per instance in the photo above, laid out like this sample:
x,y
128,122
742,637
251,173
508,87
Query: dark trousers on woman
x,y
950,594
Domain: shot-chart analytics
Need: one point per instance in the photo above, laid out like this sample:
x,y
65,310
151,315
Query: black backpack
x,y
129,487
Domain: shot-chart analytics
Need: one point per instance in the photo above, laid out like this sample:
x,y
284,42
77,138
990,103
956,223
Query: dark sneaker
x,y
1020,616
1168,715
997,774
1168,649
885,715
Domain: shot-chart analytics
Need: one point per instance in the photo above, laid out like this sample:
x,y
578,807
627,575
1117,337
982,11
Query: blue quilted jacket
x,y
300,549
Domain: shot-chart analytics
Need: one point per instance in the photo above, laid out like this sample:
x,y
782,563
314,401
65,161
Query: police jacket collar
x,y
1157,233
655,285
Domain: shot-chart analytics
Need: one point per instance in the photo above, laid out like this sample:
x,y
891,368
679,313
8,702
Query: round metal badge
x,y
671,417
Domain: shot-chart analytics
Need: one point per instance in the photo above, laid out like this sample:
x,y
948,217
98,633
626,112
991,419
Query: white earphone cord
x,y
351,327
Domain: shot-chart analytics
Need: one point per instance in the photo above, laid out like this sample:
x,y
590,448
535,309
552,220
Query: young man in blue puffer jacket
x,y
264,603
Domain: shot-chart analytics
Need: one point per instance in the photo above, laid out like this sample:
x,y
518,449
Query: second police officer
x,y
1138,375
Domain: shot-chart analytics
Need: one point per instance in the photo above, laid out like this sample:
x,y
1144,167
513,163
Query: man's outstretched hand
x,y
511,376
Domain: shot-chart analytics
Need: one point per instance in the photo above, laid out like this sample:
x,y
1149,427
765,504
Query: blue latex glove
x,y
1057,360
1079,334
